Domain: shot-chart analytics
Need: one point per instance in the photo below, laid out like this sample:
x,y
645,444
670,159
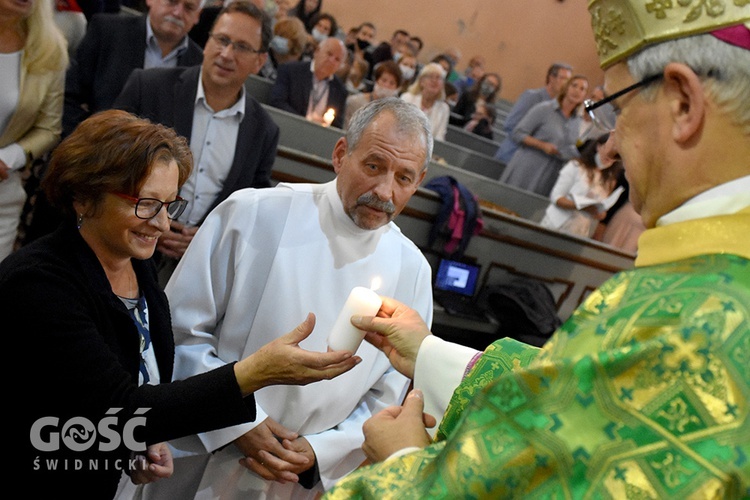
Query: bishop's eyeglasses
x,y
601,116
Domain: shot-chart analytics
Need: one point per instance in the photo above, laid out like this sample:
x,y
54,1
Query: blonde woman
x,y
428,94
33,58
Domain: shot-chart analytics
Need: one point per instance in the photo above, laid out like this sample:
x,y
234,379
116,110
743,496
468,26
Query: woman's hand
x,y
156,463
284,362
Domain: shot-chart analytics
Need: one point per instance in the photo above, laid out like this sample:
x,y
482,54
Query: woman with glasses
x,y
90,314
547,135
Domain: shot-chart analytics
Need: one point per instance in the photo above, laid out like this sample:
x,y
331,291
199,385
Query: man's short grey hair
x,y
724,69
410,120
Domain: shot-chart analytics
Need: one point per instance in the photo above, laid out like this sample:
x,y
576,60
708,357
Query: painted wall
x,y
518,38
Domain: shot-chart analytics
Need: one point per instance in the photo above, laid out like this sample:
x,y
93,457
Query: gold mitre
x,y
622,27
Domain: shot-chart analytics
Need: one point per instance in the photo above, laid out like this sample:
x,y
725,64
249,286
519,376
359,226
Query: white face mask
x,y
280,45
380,92
407,72
598,161
318,36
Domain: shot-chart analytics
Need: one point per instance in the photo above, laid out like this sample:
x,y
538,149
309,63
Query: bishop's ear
x,y
687,101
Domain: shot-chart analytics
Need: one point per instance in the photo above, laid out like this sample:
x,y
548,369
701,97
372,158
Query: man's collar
x,y
237,108
723,199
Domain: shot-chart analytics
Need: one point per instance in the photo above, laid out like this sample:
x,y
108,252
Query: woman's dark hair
x,y
446,58
324,15
306,17
474,91
588,151
112,151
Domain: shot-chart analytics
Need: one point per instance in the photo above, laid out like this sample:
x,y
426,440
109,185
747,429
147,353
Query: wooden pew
x,y
482,145
259,88
465,155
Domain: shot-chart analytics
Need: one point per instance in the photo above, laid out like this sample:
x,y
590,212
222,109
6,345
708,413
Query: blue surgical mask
x,y
280,45
318,36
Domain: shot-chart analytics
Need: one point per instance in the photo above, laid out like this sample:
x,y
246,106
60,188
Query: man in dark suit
x,y
116,44
311,89
233,139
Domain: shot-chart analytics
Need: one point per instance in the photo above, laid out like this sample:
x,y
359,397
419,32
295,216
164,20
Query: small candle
x,y
328,116
344,336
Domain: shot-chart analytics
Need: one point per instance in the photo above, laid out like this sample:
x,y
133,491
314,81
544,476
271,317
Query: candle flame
x,y
329,116
375,284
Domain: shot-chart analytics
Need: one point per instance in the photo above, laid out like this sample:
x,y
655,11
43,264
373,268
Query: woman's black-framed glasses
x,y
602,117
148,208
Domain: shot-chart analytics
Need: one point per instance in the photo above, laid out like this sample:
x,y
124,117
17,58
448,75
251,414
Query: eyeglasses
x,y
601,116
148,208
239,47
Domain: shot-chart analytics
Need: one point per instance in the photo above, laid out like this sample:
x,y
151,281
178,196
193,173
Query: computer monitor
x,y
457,277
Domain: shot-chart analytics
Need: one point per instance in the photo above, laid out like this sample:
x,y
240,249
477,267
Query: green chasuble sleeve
x,y
642,393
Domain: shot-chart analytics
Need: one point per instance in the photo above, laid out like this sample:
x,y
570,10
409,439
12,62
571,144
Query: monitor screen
x,y
458,277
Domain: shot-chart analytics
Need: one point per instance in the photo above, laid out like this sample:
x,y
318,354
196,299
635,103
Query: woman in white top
x,y
33,58
592,176
428,93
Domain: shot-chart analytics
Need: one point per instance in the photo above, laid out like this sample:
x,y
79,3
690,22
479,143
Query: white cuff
x,y
438,371
402,451
14,156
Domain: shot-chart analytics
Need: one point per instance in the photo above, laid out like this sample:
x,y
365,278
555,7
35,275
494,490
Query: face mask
x,y
380,92
318,36
362,44
598,161
397,56
280,45
486,89
407,72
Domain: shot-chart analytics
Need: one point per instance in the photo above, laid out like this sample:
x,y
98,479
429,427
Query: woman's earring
x,y
80,221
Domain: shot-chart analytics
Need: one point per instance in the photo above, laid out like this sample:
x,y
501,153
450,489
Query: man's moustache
x,y
174,20
372,201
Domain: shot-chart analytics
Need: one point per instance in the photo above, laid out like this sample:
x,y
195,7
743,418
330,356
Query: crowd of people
x,y
178,34
148,282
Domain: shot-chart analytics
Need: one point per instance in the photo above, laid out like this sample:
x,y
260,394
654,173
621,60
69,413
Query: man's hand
x,y
284,362
155,464
174,243
274,453
398,331
397,427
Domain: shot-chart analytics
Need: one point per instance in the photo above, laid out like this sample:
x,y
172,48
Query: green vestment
x,y
643,393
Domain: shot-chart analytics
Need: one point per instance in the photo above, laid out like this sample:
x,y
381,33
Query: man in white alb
x,y
265,258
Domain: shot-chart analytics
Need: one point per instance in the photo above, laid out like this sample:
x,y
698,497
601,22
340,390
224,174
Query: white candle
x,y
344,336
328,117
